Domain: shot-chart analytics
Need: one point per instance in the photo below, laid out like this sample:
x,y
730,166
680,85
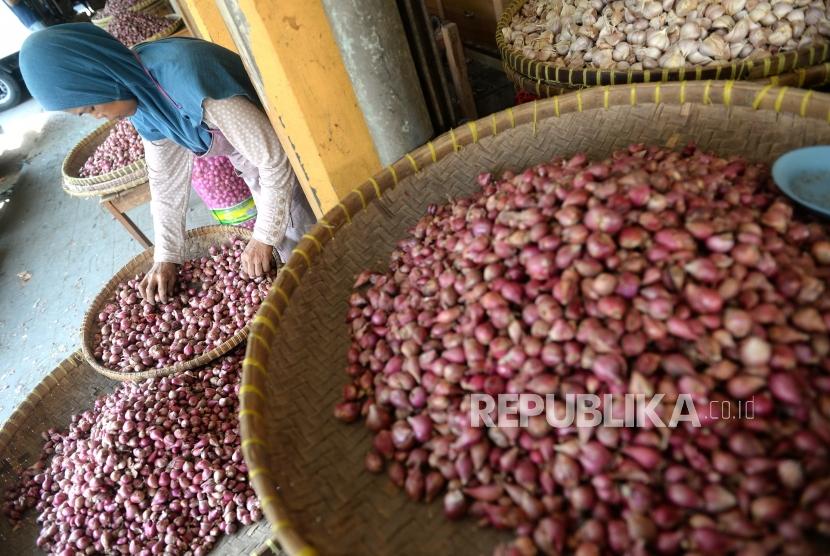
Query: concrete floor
x,y
56,251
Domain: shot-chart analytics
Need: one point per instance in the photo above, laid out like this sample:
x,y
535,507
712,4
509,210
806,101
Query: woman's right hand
x,y
159,282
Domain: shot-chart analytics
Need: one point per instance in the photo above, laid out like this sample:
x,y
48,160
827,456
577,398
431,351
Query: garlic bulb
x,y
637,38
673,59
687,46
684,7
621,52
781,9
690,30
651,10
658,39
738,32
663,33
759,12
715,47
758,37
714,11
782,33
723,22
795,15
735,48
769,19
732,7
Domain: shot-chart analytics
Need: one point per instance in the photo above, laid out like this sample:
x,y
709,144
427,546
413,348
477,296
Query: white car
x,y
12,35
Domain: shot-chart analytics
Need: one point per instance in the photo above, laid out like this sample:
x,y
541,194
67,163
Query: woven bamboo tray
x,y
142,6
70,389
199,240
307,467
560,76
118,180
805,78
175,25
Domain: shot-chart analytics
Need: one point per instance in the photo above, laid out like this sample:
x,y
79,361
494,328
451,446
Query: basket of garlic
x,y
598,42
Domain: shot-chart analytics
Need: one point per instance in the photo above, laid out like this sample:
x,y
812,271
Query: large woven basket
x,y
118,180
307,467
199,240
554,75
807,78
70,389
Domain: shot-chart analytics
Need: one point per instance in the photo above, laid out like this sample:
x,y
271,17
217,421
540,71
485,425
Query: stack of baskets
x,y
805,67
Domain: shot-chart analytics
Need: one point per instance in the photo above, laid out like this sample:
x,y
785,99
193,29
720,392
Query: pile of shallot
x,y
215,180
154,468
121,147
132,27
649,34
112,7
651,272
214,299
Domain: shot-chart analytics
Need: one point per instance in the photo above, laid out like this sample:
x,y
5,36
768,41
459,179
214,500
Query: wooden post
x,y
458,69
294,62
205,22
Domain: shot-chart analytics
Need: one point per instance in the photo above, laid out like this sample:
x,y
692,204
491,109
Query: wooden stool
x,y
119,203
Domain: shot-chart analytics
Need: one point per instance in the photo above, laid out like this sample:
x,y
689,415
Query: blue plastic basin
x,y
804,176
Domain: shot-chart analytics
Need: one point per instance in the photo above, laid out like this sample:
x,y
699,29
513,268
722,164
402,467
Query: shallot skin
x,y
651,272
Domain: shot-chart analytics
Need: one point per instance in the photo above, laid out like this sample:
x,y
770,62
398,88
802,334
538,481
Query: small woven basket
x,y
198,242
559,76
306,466
175,25
149,6
70,389
118,180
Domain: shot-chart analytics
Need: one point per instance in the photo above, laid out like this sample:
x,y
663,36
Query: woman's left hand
x,y
256,258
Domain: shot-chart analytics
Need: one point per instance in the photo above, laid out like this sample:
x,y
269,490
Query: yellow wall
x,y
208,24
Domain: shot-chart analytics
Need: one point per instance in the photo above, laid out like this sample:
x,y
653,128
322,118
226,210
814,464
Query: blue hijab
x,y
78,64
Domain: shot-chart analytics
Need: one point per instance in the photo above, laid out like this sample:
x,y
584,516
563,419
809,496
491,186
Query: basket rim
x,y
812,77
27,406
265,324
559,75
91,316
125,177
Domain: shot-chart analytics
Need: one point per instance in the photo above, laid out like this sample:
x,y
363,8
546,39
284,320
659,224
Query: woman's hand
x,y
256,258
158,282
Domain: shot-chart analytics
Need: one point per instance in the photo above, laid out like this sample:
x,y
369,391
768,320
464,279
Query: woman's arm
x,y
169,168
249,132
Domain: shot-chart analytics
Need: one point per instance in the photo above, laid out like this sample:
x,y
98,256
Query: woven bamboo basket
x,y
199,240
176,23
806,78
70,389
559,76
149,6
121,179
307,467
